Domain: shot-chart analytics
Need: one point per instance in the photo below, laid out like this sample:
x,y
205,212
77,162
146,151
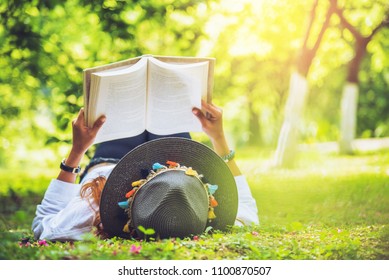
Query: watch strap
x,y
64,167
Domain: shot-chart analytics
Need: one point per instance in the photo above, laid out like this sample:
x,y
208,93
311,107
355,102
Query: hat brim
x,y
187,153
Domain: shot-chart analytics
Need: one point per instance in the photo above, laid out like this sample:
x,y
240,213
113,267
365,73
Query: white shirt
x,y
63,215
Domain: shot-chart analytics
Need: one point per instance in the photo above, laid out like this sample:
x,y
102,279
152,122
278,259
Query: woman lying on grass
x,y
69,210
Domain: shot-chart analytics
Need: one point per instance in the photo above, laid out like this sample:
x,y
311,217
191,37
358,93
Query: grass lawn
x,y
327,207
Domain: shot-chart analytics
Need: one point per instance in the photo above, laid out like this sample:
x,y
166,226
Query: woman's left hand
x,y
211,120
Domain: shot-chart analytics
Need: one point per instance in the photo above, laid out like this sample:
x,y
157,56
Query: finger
x,y
197,112
204,104
211,109
99,123
80,117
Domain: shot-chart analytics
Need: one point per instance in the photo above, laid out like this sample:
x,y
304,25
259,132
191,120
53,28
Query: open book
x,y
153,93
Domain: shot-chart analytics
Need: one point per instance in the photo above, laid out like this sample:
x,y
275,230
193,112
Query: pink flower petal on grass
x,y
135,249
42,243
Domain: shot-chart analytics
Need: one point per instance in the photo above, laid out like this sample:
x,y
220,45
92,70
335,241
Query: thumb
x,y
200,115
99,123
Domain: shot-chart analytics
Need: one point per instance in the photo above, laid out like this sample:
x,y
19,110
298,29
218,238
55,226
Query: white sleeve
x,y
62,214
247,206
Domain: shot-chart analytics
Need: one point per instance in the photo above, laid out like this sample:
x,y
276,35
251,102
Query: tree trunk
x,y
349,103
288,139
255,138
348,114
348,118
287,142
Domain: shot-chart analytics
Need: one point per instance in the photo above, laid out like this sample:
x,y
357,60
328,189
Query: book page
x,y
87,81
173,90
121,97
190,60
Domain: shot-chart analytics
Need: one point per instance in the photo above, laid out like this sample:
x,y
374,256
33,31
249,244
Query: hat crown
x,y
173,204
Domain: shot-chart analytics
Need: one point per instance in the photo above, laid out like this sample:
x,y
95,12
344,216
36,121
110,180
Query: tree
x,y
298,90
351,87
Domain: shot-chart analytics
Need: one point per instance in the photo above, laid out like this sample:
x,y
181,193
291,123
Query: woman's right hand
x,y
83,136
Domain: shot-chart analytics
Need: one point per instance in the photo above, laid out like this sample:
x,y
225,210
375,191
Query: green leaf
x,y
145,231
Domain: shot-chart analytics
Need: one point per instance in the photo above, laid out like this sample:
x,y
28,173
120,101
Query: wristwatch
x,y
74,170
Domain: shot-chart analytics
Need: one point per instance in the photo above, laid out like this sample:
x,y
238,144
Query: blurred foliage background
x,y
45,45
